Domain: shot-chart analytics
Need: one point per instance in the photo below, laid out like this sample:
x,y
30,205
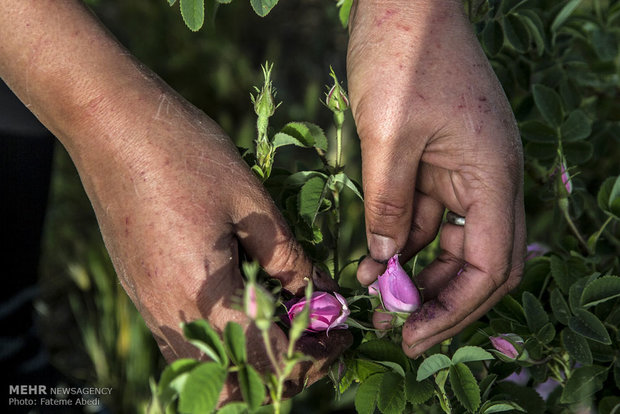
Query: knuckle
x,y
387,209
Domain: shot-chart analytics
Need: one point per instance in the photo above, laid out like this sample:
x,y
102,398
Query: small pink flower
x,y
397,290
506,347
326,311
251,308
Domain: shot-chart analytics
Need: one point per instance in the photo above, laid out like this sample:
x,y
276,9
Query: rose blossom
x,y
397,290
326,311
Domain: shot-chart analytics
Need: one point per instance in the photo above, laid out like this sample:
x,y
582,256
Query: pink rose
x,y
397,290
326,311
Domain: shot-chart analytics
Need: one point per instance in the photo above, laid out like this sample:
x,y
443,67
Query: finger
x,y
265,236
427,214
416,349
388,175
324,350
488,251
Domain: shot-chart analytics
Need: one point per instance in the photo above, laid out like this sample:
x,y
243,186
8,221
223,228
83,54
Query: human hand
x,y
172,196
436,132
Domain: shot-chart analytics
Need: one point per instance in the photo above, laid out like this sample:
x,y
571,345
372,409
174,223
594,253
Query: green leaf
x,y
541,151
492,37
344,12
193,13
583,383
366,369
605,44
465,386
576,127
310,199
391,397
470,354
431,365
301,134
263,7
384,350
511,309
534,312
418,392
560,308
536,131
234,341
500,407
203,336
608,193
600,290
536,28
367,393
168,387
525,397
609,405
252,387
564,14
578,152
576,346
352,185
549,104
588,325
517,33
575,292
202,389
566,272
546,333
171,2
234,408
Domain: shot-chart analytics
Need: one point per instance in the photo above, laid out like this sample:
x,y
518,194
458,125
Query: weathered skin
x,y
172,196
436,132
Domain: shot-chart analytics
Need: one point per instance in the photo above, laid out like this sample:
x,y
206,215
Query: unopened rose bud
x,y
258,305
336,98
264,102
510,346
566,180
397,290
326,311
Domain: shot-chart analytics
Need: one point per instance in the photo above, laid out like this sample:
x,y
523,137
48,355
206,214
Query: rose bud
x,y
397,290
568,184
258,305
326,311
509,347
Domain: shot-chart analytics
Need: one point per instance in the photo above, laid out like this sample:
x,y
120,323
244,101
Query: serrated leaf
x,y
234,341
431,365
391,398
576,127
193,13
549,104
202,389
536,131
365,369
564,14
534,312
203,336
576,346
418,392
588,325
500,407
566,272
492,37
310,199
301,134
367,393
470,354
583,383
465,386
516,33
600,290
252,387
575,292
511,309
559,307
263,7
546,333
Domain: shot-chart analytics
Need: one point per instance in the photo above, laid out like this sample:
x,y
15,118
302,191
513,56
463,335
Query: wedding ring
x,y
455,219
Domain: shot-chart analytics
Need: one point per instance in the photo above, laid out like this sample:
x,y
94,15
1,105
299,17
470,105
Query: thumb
x,y
388,174
266,237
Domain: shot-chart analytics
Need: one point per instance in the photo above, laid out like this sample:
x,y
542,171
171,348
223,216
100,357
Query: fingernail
x,y
381,247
